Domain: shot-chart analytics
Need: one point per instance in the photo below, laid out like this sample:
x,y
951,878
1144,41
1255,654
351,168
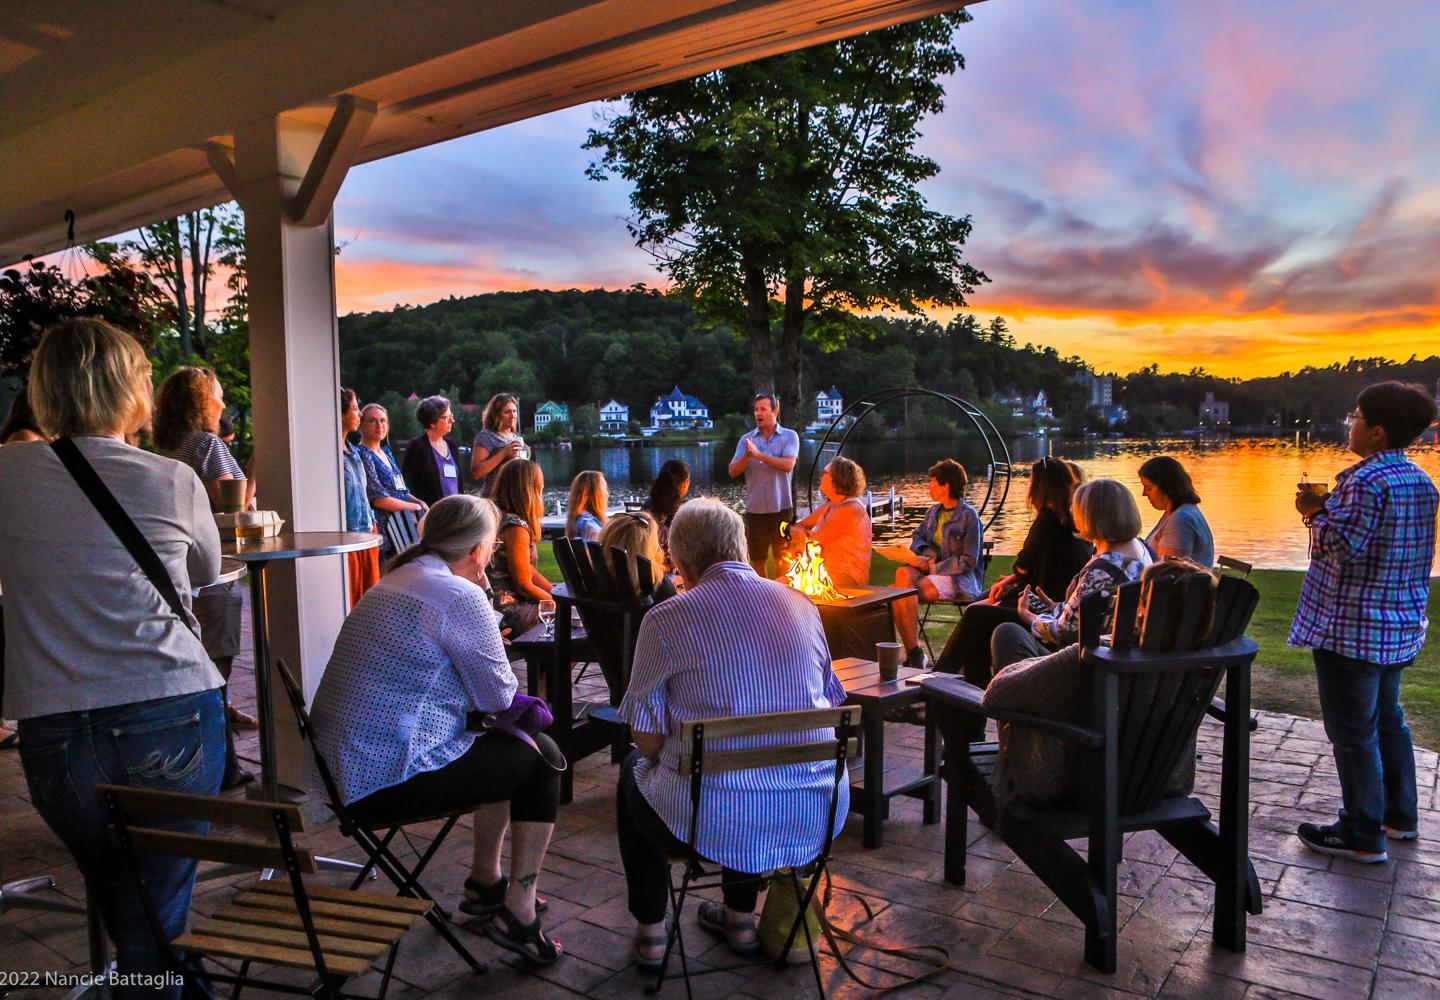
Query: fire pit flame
x,y
809,575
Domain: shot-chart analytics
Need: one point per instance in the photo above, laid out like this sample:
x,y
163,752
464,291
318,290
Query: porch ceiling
x,y
109,104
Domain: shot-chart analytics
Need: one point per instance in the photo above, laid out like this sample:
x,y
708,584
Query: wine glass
x,y
547,617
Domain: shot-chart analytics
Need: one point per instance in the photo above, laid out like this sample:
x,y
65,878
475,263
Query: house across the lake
x,y
549,412
679,411
828,406
614,418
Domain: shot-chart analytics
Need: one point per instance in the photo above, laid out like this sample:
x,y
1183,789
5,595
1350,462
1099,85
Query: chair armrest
x,y
954,692
1216,711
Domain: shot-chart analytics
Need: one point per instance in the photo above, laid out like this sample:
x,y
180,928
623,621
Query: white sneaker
x,y
1395,834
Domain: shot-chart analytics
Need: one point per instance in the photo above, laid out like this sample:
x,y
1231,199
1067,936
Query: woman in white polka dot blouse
x,y
420,652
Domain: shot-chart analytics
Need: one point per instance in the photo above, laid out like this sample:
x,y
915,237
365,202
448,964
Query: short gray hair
x,y
428,410
705,532
451,528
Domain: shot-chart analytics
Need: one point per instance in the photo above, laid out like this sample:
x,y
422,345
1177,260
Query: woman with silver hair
x,y
419,654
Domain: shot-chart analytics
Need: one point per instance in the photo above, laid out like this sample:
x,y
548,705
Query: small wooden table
x,y
870,798
546,676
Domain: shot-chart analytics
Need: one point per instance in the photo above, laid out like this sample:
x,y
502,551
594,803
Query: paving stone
x,y
1279,969
1398,984
1411,954
1140,966
1318,931
1335,890
1017,891
1190,982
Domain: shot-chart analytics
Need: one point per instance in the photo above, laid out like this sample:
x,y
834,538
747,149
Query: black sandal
x,y
492,897
525,940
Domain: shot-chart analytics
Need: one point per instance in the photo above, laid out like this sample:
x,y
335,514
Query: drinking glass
x,y
547,617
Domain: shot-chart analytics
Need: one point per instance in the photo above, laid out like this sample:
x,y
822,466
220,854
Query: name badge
x,y
447,470
399,481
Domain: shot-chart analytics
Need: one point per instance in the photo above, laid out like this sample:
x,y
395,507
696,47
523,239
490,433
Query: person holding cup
x,y
498,442
188,406
1362,616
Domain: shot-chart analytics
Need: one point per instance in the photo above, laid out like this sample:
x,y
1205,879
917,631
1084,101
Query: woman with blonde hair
x,y
585,512
103,665
420,652
519,586
638,534
188,406
841,525
498,441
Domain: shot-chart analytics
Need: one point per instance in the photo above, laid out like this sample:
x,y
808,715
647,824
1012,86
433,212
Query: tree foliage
x,y
787,190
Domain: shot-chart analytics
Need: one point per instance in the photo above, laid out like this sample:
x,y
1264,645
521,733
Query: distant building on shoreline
x,y
828,406
1214,412
550,412
614,418
679,411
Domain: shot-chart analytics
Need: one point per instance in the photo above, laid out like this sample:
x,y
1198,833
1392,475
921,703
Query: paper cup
x,y
887,654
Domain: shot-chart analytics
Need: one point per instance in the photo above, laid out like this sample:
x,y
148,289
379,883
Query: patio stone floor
x,y
1331,928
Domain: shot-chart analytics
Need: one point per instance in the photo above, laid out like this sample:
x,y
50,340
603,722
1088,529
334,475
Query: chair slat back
x,y
1161,698
133,811
771,722
1236,567
843,721
402,530
610,604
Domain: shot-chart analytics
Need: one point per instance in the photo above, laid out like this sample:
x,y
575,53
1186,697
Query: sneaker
x,y
1395,834
1333,839
916,659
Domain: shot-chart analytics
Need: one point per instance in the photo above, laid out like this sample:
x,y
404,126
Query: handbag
x,y
525,717
125,529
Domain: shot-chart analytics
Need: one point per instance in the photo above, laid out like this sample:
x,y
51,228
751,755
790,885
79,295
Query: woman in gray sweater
x,y
109,683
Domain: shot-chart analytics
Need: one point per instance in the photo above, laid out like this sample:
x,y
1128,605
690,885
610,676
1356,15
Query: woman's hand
x,y
514,447
999,587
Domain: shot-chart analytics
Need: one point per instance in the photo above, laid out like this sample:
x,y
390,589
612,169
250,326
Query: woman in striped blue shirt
x,y
696,658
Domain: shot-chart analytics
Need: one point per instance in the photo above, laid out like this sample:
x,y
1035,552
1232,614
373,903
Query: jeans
x,y
1360,704
173,744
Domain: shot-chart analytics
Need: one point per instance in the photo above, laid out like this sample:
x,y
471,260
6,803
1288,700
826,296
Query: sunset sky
x,y
1248,187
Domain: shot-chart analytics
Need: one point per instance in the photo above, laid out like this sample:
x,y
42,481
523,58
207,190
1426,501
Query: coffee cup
x,y
232,495
887,654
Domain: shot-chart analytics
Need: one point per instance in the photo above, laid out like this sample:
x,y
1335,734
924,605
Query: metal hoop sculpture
x,y
999,471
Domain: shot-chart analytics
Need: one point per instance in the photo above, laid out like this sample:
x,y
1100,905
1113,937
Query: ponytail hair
x,y
453,527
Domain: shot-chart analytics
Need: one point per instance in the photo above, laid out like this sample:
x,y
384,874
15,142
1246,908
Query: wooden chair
x,y
402,530
840,746
1147,704
933,611
337,933
371,840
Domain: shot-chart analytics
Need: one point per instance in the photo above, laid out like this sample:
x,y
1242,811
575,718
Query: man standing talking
x,y
1362,613
766,457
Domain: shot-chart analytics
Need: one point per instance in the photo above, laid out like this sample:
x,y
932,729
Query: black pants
x,y
968,651
496,768
762,536
645,842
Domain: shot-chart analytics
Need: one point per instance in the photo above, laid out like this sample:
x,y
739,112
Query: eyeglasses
x,y
1354,416
374,420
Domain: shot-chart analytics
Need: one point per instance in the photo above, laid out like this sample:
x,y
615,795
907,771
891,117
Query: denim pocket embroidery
x,y
168,754
47,774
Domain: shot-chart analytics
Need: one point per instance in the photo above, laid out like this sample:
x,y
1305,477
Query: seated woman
x,y
420,652
841,524
1052,553
637,533
1182,531
943,562
732,644
519,586
1037,767
1105,515
667,493
585,512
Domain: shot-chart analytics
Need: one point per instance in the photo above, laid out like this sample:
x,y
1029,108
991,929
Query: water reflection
x,y
1247,487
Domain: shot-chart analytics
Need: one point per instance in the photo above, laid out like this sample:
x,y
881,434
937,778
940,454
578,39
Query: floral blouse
x,y
1105,573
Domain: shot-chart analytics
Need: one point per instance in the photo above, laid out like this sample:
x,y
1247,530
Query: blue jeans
x,y
174,744
1360,704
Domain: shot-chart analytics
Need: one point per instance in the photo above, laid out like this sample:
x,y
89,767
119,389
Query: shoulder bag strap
x,y
125,529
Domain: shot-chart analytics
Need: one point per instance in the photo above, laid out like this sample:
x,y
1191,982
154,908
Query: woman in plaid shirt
x,y
1362,613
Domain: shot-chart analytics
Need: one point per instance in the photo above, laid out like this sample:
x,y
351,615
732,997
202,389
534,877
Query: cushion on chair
x,y
1032,766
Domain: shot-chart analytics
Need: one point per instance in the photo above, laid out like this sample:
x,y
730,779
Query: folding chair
x,y
375,845
987,550
337,933
1228,566
840,747
402,530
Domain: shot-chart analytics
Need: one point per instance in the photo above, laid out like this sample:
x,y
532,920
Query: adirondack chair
x,y
1148,701
611,603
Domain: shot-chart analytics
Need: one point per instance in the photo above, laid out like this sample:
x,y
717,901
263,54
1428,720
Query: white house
x,y
1214,412
828,406
679,411
550,411
614,418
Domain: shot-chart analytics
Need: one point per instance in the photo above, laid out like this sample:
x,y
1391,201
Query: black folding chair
x,y
931,612
375,844
840,747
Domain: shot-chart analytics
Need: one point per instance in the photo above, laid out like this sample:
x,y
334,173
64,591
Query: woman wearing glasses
x,y
432,460
384,483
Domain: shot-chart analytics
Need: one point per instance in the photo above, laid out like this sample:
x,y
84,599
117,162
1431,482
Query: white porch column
x,y
294,379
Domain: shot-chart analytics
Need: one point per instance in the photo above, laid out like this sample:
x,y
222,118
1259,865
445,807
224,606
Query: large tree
x,y
787,189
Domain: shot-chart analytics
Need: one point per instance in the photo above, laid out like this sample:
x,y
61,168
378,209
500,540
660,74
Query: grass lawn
x,y
1284,678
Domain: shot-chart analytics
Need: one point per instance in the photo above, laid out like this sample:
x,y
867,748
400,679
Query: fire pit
x,y
855,618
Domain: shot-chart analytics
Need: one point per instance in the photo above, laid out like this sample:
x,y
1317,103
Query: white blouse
x,y
419,652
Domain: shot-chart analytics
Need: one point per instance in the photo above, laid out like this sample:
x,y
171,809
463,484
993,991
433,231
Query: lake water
x,y
1247,486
